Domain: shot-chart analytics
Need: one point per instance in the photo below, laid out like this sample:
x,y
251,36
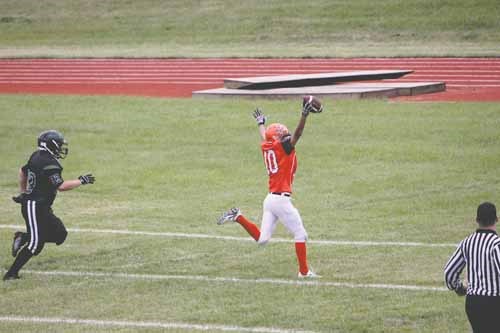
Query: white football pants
x,y
278,207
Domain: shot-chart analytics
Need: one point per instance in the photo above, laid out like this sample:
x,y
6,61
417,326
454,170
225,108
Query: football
x,y
316,105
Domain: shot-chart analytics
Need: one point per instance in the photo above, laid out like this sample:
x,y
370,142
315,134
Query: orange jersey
x,y
280,166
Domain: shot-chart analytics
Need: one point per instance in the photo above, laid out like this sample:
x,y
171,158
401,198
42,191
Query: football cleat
x,y
17,243
229,216
7,277
309,275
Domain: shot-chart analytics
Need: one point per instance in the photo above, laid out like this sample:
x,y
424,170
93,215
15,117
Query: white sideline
x,y
297,282
243,239
143,324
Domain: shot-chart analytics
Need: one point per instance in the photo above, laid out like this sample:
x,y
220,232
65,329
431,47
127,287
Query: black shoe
x,y
7,277
17,243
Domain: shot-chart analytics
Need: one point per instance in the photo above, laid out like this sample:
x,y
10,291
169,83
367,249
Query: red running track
x,y
467,79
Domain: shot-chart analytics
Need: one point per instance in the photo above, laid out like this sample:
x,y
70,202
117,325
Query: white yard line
x,y
241,239
143,324
297,282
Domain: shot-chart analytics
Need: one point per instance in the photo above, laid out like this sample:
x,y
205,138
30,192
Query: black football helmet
x,y
53,142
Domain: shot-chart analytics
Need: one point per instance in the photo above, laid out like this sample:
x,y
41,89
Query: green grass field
x,y
187,28
368,171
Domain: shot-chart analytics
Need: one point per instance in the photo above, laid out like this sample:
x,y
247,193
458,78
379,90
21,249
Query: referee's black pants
x,y
483,313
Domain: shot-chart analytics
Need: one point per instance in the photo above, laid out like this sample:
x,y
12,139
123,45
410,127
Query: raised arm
x,y
300,128
309,104
260,118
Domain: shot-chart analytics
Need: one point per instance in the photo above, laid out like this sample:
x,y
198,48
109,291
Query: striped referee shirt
x,y
480,252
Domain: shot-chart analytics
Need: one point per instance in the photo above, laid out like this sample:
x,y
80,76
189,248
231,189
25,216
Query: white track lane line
x,y
243,239
143,324
160,76
101,82
203,81
207,83
233,71
306,283
225,72
252,61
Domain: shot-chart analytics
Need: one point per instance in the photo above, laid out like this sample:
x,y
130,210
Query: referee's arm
x,y
454,268
496,257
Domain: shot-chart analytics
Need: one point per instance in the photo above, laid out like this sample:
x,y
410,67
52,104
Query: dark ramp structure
x,y
338,85
308,80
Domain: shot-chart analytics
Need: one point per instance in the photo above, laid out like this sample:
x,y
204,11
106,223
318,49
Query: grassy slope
x,y
367,171
249,28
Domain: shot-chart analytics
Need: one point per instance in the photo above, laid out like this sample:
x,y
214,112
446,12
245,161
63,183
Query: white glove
x,y
259,117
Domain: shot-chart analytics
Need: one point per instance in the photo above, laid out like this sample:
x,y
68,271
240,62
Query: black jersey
x,y
43,172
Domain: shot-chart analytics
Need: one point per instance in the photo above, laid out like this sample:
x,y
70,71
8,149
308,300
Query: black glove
x,y
306,109
259,117
87,179
20,198
461,290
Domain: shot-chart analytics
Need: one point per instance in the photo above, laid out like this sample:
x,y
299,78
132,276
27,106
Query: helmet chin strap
x,y
43,146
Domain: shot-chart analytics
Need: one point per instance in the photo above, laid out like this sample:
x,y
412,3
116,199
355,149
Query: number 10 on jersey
x,y
270,161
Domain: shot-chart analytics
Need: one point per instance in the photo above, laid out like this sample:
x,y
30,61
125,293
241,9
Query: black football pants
x,y
483,313
42,227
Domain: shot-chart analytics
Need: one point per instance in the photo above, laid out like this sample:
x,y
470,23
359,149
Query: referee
x,y
480,252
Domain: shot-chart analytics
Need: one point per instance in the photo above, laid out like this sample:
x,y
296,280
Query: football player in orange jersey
x,y
278,149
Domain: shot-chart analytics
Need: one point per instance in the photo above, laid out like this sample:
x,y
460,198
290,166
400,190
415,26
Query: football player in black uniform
x,y
39,181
